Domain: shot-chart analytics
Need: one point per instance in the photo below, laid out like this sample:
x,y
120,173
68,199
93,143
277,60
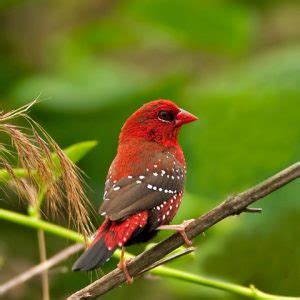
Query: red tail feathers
x,y
109,236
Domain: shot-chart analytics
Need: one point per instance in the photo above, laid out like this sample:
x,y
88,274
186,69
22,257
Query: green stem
x,y
250,292
40,224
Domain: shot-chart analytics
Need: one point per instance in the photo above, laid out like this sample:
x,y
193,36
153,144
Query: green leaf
x,y
77,151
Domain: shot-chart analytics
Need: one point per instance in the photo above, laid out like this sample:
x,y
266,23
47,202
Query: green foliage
x,y
235,64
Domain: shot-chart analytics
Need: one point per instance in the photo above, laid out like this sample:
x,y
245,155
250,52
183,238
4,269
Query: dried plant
x,y
59,180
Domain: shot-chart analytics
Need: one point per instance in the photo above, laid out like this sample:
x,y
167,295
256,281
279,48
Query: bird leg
x,y
180,228
123,266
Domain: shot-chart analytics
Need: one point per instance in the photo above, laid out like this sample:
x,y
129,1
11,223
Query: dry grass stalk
x,y
34,148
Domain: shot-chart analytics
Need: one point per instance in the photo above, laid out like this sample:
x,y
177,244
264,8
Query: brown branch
x,y
36,270
232,205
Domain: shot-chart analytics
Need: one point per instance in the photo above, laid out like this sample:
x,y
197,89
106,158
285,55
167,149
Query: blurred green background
x,y
235,64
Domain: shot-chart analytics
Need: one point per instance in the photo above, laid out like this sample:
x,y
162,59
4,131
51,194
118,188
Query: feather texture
x,y
145,182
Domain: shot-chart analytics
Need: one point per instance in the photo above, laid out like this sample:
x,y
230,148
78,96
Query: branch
x,y
161,270
36,270
231,206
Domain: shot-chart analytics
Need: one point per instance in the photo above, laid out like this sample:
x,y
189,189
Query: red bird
x,y
144,185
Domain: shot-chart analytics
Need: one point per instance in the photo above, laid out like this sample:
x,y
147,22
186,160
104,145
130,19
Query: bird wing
x,y
133,194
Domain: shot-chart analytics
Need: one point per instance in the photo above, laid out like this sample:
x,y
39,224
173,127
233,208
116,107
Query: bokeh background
x,y
235,64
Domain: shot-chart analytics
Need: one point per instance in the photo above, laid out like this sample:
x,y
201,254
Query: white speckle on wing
x,y
129,176
149,186
138,182
155,174
103,214
141,177
116,188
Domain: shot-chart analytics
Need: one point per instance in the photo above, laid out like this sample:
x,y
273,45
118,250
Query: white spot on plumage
x,y
155,166
138,182
166,191
155,174
129,176
120,244
149,186
154,188
103,214
157,207
173,177
116,188
163,217
141,177
160,189
115,181
163,172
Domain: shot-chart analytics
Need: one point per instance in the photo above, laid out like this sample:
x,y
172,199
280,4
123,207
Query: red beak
x,y
184,117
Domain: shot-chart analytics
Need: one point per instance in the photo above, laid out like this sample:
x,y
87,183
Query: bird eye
x,y
165,115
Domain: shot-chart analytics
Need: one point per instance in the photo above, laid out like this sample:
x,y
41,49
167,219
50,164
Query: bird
x,y
144,185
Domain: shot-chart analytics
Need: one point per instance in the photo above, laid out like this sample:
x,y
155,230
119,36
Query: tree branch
x,y
231,206
36,270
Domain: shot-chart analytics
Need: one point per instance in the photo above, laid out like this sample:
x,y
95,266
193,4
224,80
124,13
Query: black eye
x,y
166,115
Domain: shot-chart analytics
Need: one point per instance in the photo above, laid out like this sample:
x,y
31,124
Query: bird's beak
x,y
184,117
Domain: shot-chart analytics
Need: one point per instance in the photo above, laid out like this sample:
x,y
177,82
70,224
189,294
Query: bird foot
x,y
180,228
122,265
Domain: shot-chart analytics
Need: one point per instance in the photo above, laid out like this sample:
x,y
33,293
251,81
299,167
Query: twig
x,y
43,258
161,271
36,270
168,259
231,206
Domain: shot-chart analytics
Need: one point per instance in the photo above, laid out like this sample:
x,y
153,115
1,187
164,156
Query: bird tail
x,y
109,236
97,253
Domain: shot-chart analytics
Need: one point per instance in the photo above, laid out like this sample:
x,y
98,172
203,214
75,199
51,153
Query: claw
x,y
180,229
122,265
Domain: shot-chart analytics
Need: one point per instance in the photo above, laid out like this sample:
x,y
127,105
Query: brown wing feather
x,y
131,194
